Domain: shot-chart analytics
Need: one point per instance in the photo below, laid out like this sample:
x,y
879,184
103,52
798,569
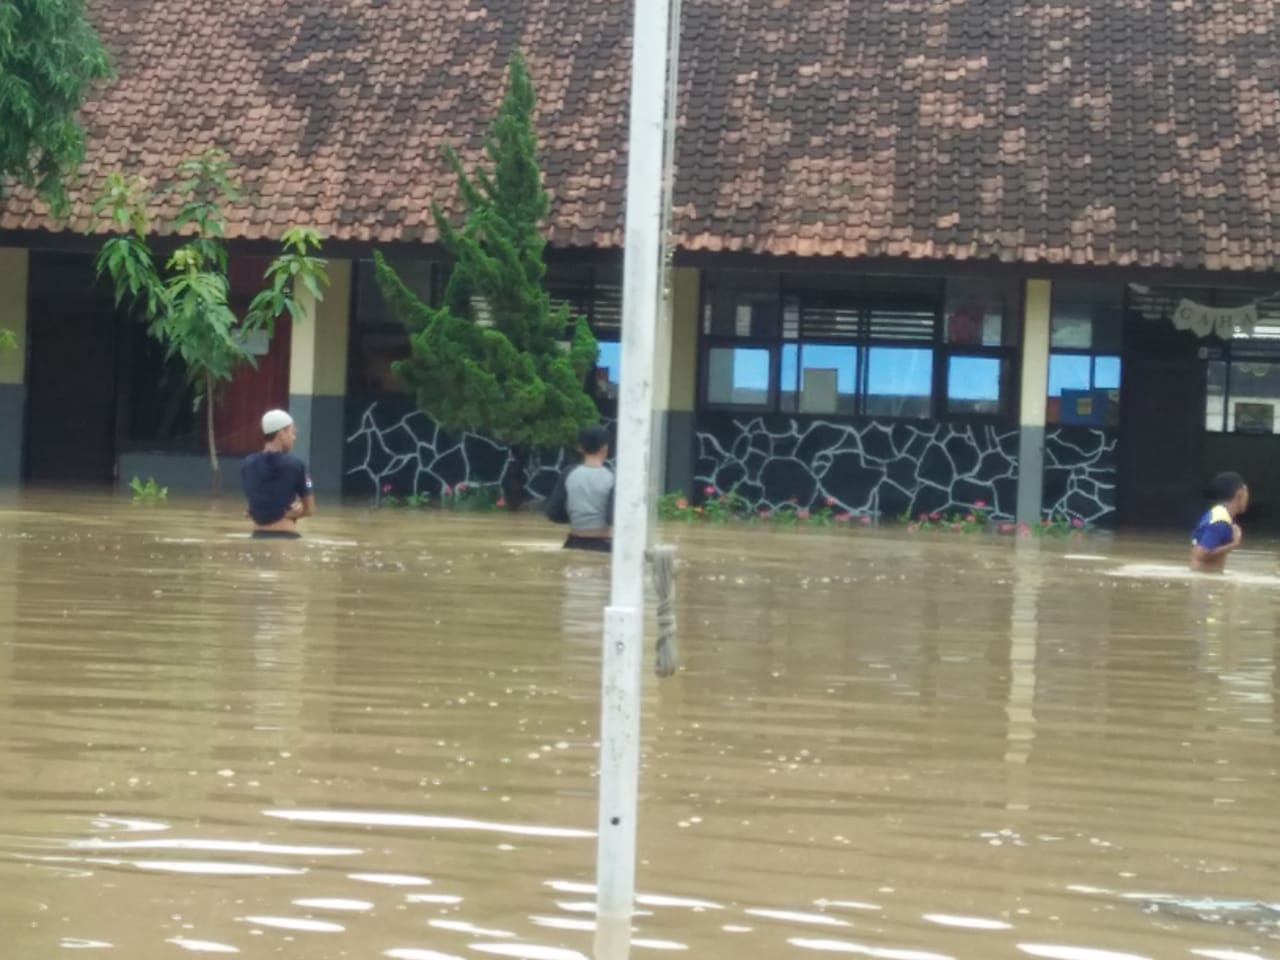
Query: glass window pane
x,y
790,373
977,385
981,311
824,381
1106,373
1215,397
1072,326
1255,394
370,306
608,366
1087,316
899,382
738,376
1068,372
742,305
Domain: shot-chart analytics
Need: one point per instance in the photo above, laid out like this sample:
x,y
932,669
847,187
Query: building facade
x,y
927,256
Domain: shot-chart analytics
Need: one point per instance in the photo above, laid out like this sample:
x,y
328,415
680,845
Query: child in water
x,y
1218,533
583,498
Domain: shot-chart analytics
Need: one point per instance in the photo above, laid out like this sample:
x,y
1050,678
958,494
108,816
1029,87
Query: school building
x,y
927,253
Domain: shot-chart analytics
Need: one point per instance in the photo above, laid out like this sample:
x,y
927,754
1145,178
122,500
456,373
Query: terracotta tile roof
x,y
1079,131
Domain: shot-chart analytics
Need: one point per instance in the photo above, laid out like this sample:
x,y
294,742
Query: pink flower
x,y
842,517
1077,523
710,491
802,514
970,518
1024,530
830,502
682,504
980,504
957,527
502,501
765,513
865,520
1006,528
923,518
386,488
447,491
935,517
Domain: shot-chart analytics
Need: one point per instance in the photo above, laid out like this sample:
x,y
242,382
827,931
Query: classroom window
x,y
899,382
1243,394
860,345
979,385
1086,325
819,378
378,336
739,376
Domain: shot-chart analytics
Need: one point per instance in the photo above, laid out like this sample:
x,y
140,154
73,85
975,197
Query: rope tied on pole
x,y
662,558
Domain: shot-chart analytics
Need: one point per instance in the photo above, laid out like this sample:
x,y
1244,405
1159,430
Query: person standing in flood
x,y
1218,534
583,497
276,483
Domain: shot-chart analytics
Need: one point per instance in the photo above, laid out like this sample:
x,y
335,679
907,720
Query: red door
x,y
237,415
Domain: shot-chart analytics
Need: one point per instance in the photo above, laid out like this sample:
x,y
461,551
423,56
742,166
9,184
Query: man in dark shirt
x,y
276,483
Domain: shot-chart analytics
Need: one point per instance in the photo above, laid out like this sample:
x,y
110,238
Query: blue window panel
x,y
900,371
1069,372
738,376
1106,373
609,358
974,378
844,360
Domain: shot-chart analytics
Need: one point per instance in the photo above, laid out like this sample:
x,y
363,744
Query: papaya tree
x,y
184,303
496,358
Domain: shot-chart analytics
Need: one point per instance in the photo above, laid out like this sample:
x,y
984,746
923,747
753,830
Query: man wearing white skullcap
x,y
276,483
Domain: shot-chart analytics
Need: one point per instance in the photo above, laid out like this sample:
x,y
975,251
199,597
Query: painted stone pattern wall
x,y
1080,473
875,468
890,468
878,468
390,443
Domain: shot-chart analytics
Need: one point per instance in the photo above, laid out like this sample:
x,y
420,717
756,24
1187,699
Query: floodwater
x,y
380,742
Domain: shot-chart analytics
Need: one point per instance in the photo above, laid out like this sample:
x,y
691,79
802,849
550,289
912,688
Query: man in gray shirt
x,y
583,497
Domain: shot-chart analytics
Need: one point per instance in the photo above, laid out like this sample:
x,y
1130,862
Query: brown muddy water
x,y
380,742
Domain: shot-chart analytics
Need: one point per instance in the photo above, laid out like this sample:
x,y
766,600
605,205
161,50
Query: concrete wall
x,y
1037,309
182,473
14,272
318,379
682,383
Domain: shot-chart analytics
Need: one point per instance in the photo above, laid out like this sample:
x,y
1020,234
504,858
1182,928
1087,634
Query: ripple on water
x,y
202,946
302,924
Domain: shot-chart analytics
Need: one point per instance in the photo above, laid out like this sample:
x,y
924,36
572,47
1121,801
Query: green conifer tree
x,y
491,359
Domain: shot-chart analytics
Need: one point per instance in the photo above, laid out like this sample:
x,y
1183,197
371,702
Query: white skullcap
x,y
273,421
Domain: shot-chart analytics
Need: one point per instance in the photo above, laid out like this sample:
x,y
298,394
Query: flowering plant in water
x,y
465,496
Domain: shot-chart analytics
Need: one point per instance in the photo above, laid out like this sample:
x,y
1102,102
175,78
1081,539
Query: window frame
x,y
863,298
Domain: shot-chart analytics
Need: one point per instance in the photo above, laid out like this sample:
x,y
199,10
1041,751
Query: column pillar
x,y
682,385
318,379
1034,399
14,270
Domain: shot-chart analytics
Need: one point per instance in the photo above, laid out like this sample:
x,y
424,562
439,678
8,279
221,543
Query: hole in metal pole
x,y
616,820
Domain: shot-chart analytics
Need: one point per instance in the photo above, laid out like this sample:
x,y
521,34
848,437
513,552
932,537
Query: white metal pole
x,y
624,617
